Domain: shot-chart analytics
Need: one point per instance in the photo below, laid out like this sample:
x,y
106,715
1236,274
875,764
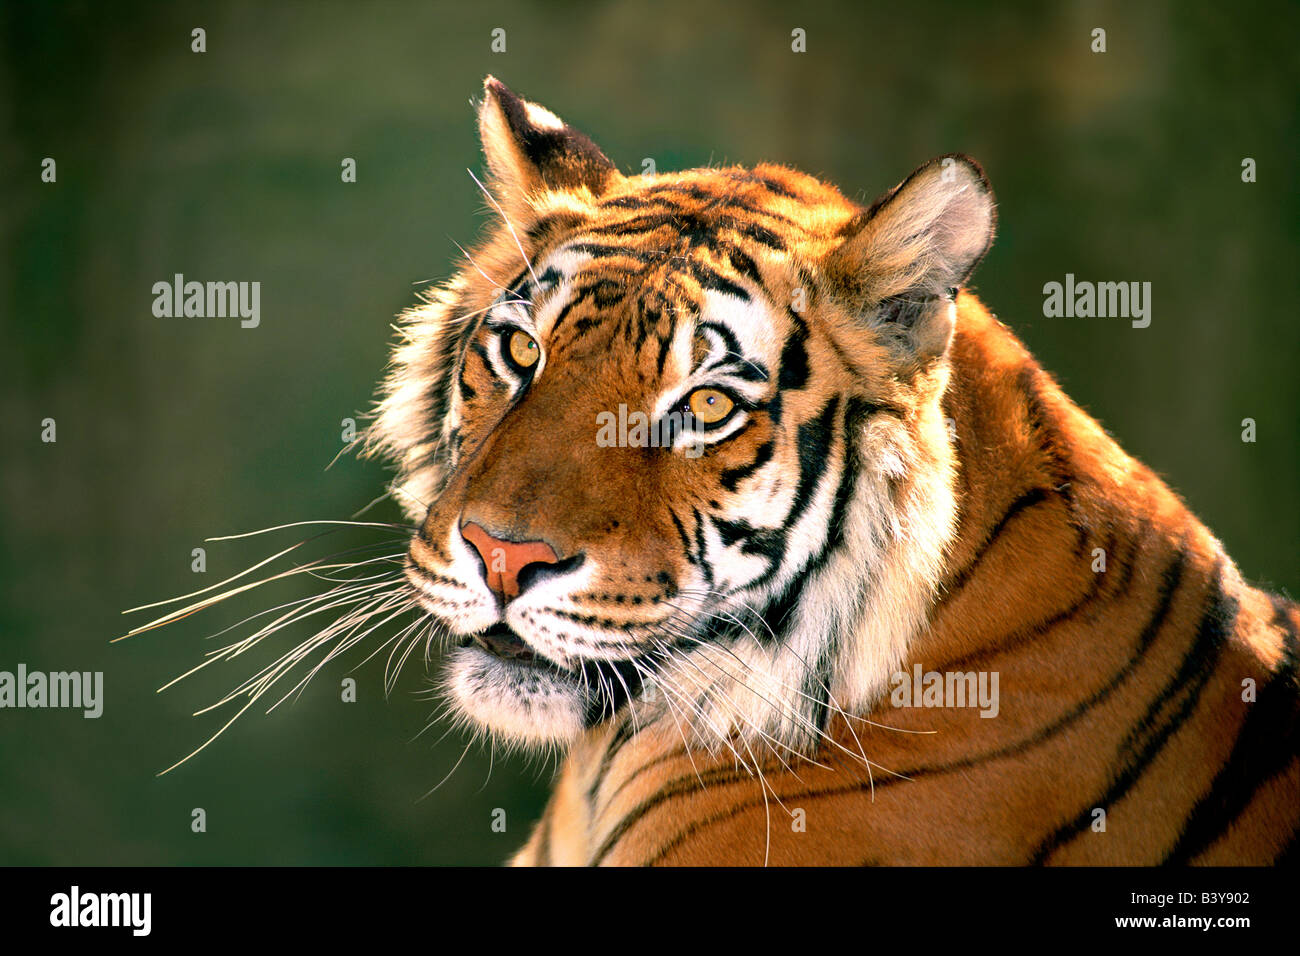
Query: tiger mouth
x,y
501,642
621,679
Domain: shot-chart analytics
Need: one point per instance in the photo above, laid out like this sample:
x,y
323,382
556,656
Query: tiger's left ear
x,y
906,256
529,149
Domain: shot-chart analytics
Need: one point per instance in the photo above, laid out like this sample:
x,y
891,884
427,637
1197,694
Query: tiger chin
x,y
859,472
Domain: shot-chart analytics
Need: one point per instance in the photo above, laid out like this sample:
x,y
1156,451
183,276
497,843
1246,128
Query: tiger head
x,y
673,442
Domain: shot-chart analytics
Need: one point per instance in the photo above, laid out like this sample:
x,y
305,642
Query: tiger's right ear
x,y
529,149
907,255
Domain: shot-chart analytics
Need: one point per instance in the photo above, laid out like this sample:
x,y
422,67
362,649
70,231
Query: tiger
x,y
860,473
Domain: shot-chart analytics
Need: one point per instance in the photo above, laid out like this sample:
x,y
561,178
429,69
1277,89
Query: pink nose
x,y
505,559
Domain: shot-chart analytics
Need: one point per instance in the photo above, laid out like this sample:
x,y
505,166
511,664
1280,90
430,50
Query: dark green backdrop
x,y
225,165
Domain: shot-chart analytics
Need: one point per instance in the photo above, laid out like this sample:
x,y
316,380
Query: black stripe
x,y
622,734
665,343
778,612
561,316
813,444
794,358
767,182
762,235
544,229
687,550
730,343
703,559
627,202
1154,729
1028,499
717,201
745,266
731,478
1055,447
1267,742
709,278
767,542
679,787
856,413
817,684
513,285
598,250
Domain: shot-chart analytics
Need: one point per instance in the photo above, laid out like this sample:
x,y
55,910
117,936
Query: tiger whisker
x,y
455,766
712,688
715,646
672,710
271,674
491,281
233,650
386,525
205,603
847,716
270,610
700,713
350,641
818,734
830,695
509,225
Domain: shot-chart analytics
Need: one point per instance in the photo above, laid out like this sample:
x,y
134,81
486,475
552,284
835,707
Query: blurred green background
x,y
226,166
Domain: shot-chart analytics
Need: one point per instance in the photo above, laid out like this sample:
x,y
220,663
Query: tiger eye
x,y
710,406
523,350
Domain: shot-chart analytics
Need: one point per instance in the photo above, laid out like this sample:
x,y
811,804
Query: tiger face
x,y
673,442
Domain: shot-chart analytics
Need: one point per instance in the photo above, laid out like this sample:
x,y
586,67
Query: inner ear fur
x,y
905,257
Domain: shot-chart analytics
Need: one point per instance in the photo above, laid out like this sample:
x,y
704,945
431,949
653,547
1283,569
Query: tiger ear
x,y
907,255
530,149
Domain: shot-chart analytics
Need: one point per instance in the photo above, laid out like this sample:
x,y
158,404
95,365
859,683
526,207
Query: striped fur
x,y
898,484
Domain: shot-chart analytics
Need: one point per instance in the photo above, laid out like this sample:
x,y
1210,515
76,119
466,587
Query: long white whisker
x,y
504,218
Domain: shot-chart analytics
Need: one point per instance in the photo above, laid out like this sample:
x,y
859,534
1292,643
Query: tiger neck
x,y
1016,509
1047,505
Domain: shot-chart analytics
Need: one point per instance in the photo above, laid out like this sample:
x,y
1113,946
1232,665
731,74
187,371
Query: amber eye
x,y
521,348
709,405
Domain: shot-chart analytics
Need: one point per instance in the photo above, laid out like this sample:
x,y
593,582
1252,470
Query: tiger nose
x,y
503,560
